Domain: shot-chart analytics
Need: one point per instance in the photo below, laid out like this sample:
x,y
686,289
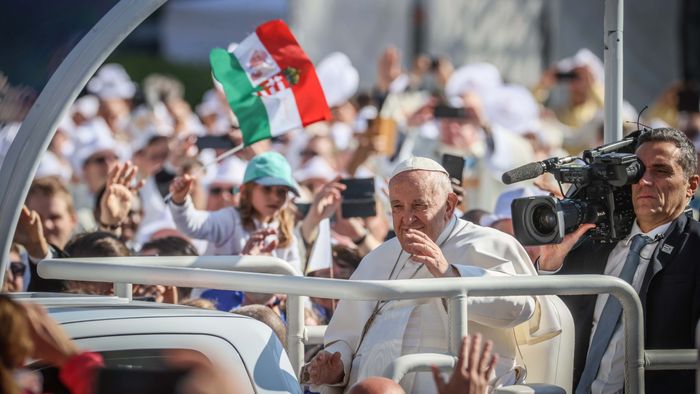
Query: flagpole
x,y
217,159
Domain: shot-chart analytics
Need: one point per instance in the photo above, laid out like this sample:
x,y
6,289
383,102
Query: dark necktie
x,y
610,318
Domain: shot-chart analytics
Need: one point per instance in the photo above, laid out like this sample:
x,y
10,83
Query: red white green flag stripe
x,y
270,83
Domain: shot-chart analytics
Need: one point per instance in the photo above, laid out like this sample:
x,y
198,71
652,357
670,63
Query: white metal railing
x,y
454,289
259,264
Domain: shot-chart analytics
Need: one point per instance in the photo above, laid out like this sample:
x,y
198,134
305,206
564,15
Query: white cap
x,y
477,77
364,115
229,170
504,202
316,168
584,57
112,81
87,106
414,163
514,108
101,143
50,165
339,79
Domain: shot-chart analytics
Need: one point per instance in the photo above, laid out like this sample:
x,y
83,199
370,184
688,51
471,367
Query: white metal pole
x,y
458,322
295,331
123,290
612,57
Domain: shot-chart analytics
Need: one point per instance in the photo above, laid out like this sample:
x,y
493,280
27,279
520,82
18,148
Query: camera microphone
x,y
528,171
533,170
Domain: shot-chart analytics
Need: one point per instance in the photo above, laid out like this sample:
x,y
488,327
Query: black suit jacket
x,y
670,298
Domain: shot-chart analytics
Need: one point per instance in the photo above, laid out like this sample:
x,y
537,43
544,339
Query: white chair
x,y
549,363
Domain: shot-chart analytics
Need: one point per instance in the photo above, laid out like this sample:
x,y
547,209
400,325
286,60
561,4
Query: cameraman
x,y
665,272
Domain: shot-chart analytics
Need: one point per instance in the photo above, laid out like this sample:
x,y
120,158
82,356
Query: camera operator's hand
x,y
552,255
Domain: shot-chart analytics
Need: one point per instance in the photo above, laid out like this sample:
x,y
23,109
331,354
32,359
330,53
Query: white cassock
x,y
420,326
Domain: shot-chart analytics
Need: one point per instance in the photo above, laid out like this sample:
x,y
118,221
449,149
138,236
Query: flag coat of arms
x,y
270,83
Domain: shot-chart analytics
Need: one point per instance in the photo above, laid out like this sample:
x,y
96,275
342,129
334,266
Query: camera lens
x,y
544,219
537,220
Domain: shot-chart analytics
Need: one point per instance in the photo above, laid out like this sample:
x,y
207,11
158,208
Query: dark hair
x,y
267,316
688,159
171,246
346,257
474,215
96,244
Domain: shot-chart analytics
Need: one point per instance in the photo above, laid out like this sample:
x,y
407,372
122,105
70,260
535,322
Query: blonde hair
x,y
284,216
15,343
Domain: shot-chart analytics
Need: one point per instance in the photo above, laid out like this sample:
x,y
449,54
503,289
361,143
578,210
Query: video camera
x,y
601,194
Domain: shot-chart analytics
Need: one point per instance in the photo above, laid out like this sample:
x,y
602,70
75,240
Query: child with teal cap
x,y
262,224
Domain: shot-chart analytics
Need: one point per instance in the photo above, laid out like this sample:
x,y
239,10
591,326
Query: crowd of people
x,y
133,170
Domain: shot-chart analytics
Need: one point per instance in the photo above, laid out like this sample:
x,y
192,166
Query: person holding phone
x,y
583,76
362,337
263,223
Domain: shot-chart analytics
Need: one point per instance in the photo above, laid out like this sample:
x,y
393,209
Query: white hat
x,y
364,115
339,79
417,163
316,168
112,81
50,165
90,130
87,106
102,143
207,107
514,108
504,202
584,57
477,77
229,170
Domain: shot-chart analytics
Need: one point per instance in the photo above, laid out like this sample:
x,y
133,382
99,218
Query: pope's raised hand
x,y
325,368
423,250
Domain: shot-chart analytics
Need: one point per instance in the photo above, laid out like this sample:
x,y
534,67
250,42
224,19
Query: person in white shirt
x,y
363,337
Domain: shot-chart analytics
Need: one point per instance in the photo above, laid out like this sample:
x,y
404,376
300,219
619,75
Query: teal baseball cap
x,y
270,169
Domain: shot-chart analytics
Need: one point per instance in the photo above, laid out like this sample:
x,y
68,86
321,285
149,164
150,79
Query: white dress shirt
x,y
611,374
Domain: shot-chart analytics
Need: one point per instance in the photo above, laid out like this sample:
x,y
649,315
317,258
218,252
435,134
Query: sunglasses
x,y
308,153
216,190
17,268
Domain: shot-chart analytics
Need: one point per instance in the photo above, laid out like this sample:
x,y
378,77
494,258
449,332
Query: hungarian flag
x,y
270,83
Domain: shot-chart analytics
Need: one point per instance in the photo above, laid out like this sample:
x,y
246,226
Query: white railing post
x,y
458,322
295,331
123,290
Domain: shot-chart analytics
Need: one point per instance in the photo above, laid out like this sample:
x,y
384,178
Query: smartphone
x,y
688,99
303,207
445,111
215,142
454,166
358,198
566,76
